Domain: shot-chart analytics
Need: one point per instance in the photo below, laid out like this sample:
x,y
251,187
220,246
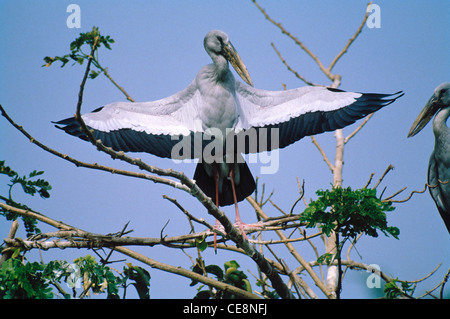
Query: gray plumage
x,y
439,163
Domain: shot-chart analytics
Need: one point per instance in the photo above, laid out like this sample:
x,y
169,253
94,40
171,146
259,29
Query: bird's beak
x,y
236,61
425,116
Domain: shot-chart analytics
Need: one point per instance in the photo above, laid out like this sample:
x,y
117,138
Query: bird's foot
x,y
238,224
243,227
218,226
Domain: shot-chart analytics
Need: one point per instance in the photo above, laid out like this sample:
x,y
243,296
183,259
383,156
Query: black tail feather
x,y
206,183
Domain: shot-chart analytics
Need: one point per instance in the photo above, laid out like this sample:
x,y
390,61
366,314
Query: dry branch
x,y
297,41
350,41
293,251
300,77
69,231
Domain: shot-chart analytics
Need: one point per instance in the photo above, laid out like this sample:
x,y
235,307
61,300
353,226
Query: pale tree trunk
x,y
330,242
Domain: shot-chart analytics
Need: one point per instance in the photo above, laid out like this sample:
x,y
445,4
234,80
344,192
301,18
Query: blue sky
x,y
158,51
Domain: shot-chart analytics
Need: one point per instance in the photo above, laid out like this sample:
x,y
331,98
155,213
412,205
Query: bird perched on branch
x,y
439,163
234,117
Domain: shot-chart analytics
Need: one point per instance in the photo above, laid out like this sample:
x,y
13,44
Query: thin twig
x,y
358,128
443,282
369,181
105,71
322,152
189,215
389,199
6,253
300,77
350,41
389,168
439,182
297,41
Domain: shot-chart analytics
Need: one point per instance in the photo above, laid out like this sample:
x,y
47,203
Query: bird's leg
x,y
216,184
238,217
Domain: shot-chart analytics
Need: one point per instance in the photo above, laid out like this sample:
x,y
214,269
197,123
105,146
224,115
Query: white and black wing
x,y
153,127
303,111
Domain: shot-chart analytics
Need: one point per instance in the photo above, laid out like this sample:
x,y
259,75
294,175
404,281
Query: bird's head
x,y
439,100
217,43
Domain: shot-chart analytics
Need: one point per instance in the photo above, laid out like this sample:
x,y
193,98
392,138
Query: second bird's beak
x,y
236,61
425,116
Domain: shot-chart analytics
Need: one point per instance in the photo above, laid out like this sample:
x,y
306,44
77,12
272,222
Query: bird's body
x,y
439,163
220,94
217,103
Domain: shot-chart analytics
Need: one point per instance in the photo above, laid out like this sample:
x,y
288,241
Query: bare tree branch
x,y
297,41
186,273
388,169
293,251
322,152
413,192
105,71
151,262
6,254
350,41
358,128
302,78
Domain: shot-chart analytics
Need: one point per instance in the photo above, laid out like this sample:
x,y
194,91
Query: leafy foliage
x,y
31,186
20,280
393,291
141,279
97,277
78,55
23,281
350,212
230,275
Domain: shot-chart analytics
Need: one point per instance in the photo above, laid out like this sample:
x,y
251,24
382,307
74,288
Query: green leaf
x,y
142,281
201,243
247,284
326,258
6,170
15,253
215,270
93,74
35,173
231,263
203,294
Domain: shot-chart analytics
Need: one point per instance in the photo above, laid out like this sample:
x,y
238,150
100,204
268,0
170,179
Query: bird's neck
x,y
439,121
220,67
440,128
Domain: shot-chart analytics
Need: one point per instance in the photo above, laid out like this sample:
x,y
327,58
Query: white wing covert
x,y
303,111
153,127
